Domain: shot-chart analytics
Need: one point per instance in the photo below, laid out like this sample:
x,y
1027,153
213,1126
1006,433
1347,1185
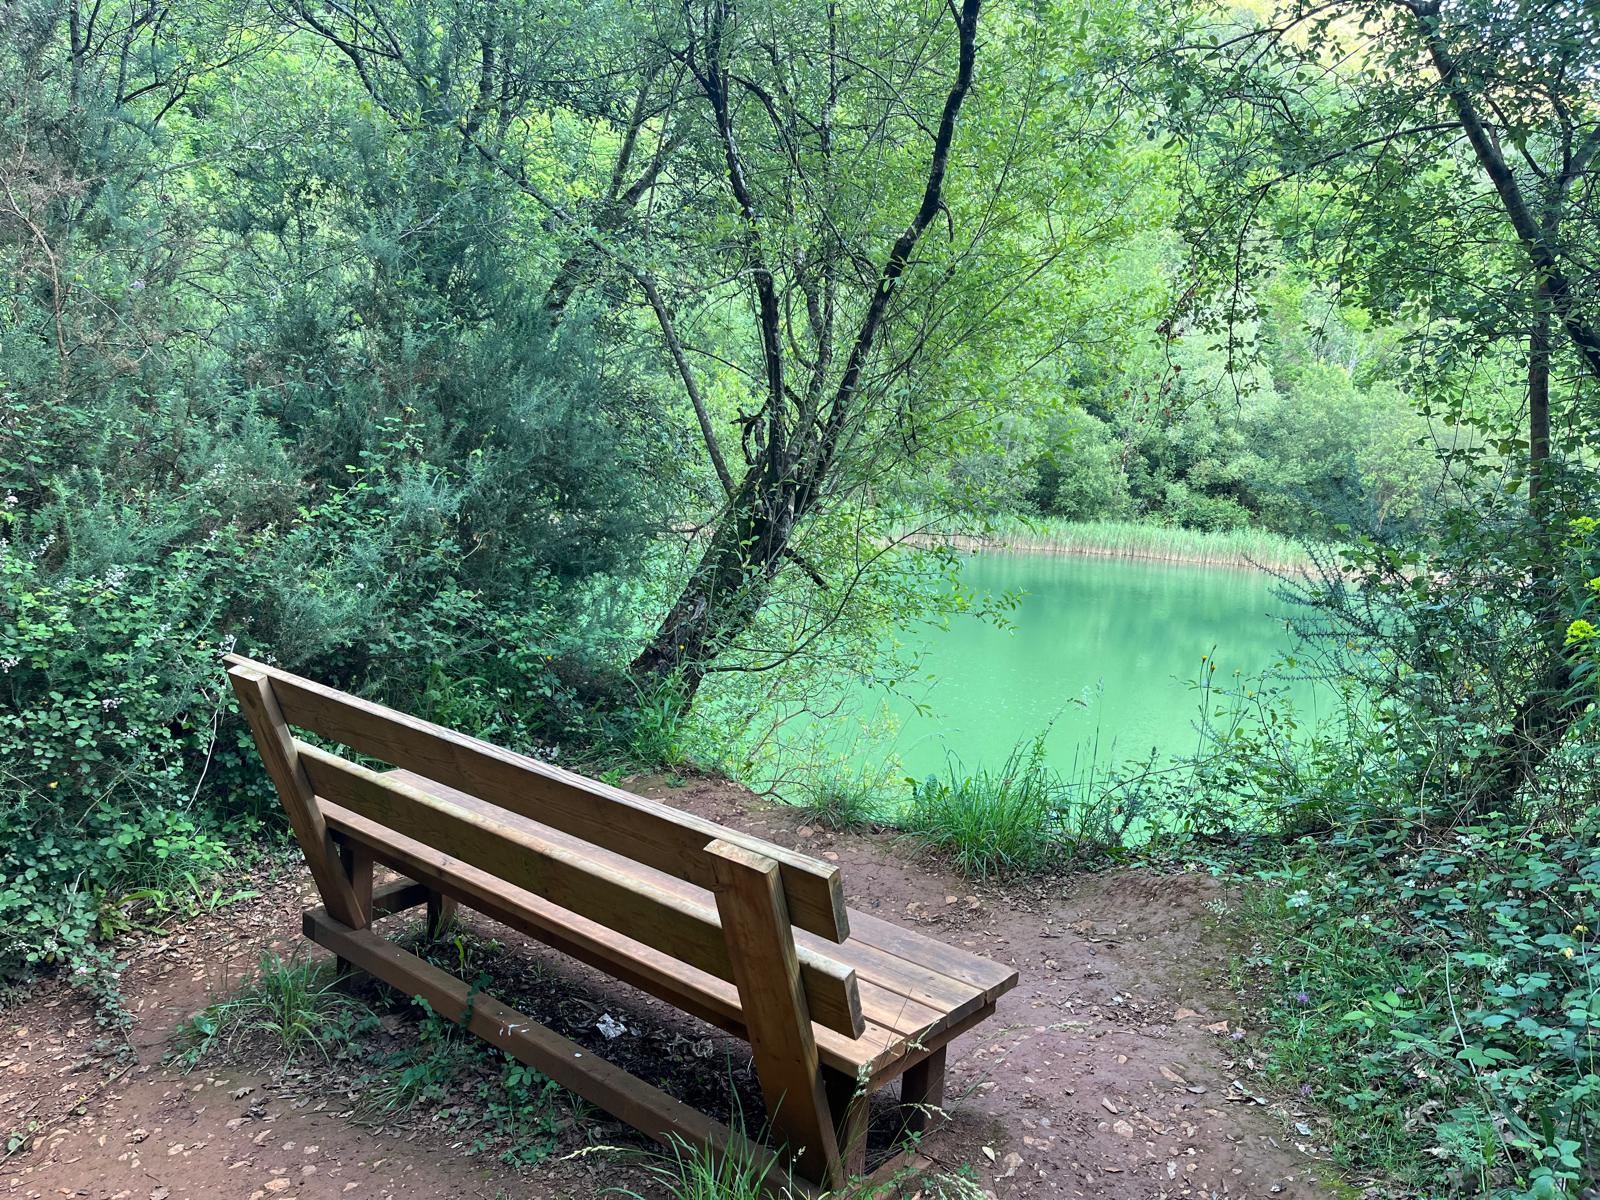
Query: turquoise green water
x,y
1107,649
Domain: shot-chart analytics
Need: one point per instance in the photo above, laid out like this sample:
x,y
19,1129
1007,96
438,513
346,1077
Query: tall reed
x,y
1129,539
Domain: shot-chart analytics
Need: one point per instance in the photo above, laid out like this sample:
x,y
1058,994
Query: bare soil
x,y
1118,1068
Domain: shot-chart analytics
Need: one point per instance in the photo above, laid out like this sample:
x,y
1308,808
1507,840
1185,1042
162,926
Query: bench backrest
x,y
558,863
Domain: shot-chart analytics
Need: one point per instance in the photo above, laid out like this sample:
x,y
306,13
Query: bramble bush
x,y
1441,999
1427,960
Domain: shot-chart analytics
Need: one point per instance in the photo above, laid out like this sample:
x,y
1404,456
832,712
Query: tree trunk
x,y
1538,406
1548,710
723,594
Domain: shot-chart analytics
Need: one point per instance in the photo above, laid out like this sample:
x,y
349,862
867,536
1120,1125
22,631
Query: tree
x,y
823,296
1436,159
763,189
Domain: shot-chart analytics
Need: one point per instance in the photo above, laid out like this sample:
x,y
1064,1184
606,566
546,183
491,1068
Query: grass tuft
x,y
692,1173
293,1002
845,798
991,823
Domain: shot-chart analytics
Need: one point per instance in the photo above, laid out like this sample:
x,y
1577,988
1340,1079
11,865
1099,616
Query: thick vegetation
x,y
609,379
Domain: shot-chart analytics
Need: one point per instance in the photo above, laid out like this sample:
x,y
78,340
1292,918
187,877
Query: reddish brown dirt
x,y
1116,1069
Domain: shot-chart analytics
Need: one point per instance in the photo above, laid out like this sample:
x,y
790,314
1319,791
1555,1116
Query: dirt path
x,y
1115,1069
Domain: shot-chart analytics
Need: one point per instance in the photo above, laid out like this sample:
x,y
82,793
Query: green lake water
x,y
1108,649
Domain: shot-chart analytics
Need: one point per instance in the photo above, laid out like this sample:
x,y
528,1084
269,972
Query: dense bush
x,y
299,399
1441,998
1427,953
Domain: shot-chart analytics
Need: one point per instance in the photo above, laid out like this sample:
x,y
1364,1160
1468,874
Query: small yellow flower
x,y
1580,929
1581,631
53,783
1567,953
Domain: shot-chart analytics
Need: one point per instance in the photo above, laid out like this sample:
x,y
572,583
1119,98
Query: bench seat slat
x,y
896,993
521,853
990,977
713,1000
643,830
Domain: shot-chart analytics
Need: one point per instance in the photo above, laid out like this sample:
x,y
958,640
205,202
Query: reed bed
x,y
1130,539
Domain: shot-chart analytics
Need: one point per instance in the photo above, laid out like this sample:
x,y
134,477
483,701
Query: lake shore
x,y
1242,549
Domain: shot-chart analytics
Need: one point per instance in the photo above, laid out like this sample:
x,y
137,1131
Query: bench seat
x,y
916,993
747,935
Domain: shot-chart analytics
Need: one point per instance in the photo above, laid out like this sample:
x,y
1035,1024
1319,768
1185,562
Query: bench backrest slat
x,y
556,869
648,832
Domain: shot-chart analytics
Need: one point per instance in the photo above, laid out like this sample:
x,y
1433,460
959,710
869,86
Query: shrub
x,y
994,823
843,798
1442,1001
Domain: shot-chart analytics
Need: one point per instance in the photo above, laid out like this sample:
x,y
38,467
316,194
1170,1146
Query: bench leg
x,y
357,865
755,922
922,1092
849,1106
441,912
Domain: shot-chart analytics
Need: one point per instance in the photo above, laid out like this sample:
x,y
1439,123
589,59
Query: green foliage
x,y
294,1004
692,1173
272,380
1291,424
441,1064
1429,975
1022,816
844,798
1442,1001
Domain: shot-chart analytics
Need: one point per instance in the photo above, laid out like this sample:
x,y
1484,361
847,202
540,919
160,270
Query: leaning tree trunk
x,y
794,457
724,592
1549,708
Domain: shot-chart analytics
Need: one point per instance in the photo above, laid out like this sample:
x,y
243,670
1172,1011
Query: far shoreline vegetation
x,y
1139,541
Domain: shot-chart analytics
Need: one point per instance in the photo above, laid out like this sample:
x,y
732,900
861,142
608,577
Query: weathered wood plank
x,y
397,897
919,950
686,928
767,971
696,992
922,1092
894,993
897,992
259,704
848,1100
644,830
626,1097
441,911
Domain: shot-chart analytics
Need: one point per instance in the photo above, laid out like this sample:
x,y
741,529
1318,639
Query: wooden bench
x,y
742,933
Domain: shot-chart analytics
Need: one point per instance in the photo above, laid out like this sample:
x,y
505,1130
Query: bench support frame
x,y
606,1085
766,969
625,1096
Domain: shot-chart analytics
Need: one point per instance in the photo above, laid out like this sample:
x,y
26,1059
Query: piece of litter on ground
x,y
610,1026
